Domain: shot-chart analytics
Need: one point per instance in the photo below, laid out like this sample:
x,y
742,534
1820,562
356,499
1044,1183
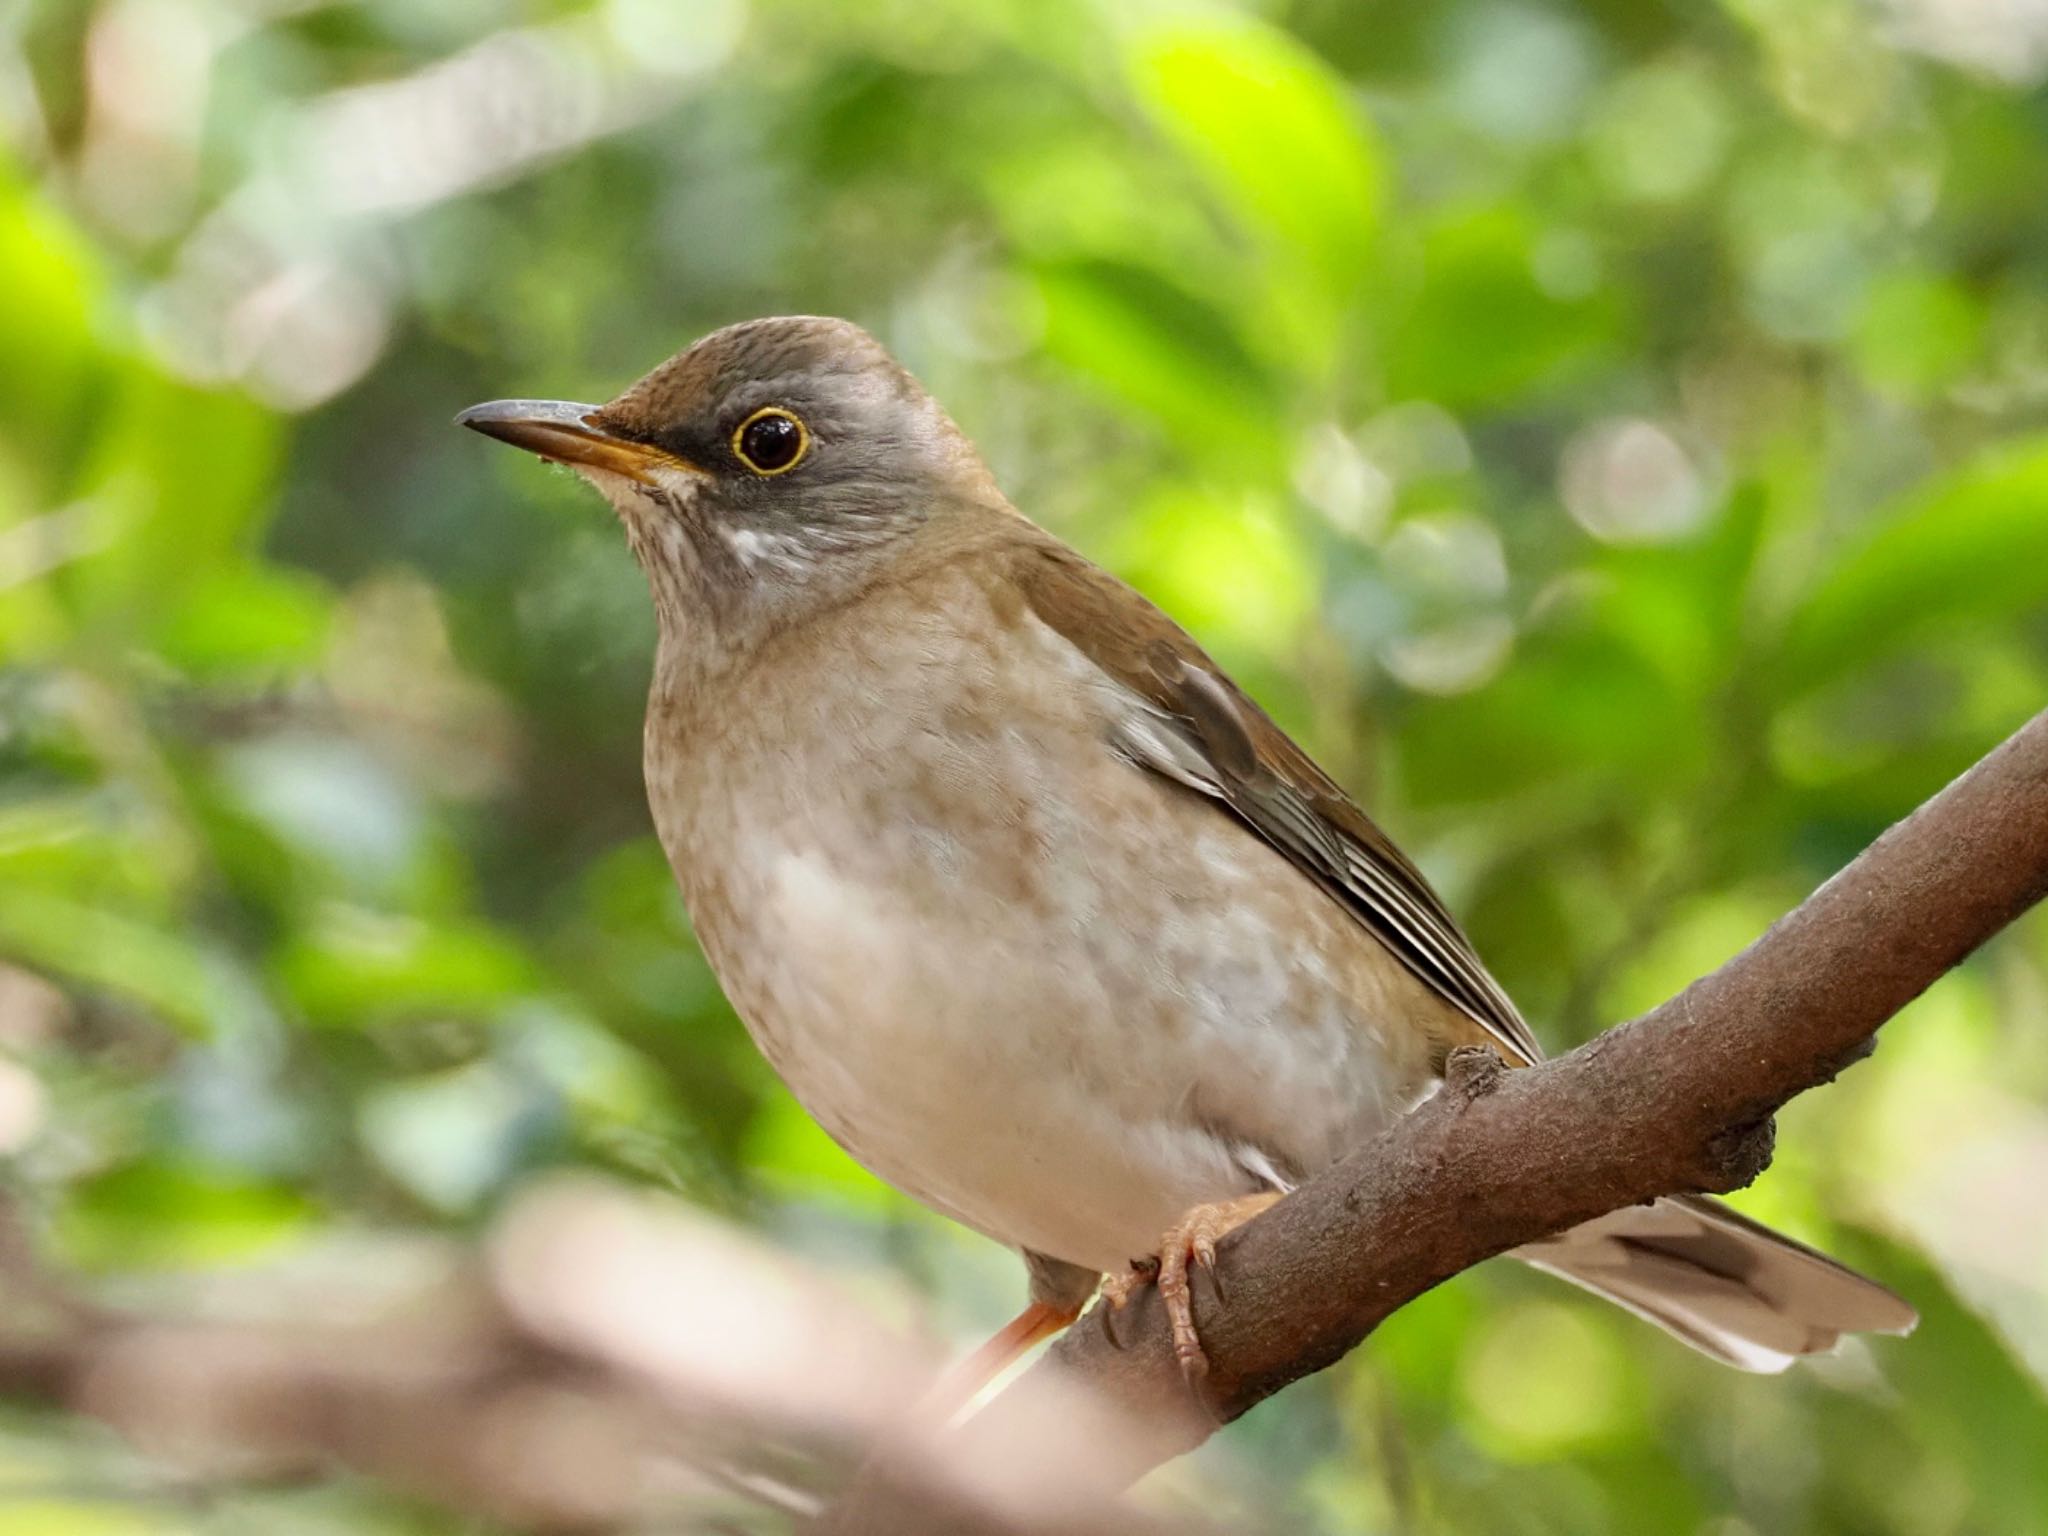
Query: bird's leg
x,y
962,1380
1190,1241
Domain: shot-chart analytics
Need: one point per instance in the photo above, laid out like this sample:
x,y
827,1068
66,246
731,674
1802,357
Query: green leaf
x,y
1485,325
357,967
169,970
1237,574
795,1158
171,1214
1157,347
183,474
1969,550
1271,128
1917,332
244,616
32,1516
1578,706
1988,1403
48,349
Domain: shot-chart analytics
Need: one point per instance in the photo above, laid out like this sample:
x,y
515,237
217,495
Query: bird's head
x,y
772,468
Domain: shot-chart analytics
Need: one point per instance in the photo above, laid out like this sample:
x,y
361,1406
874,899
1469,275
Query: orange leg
x,y
957,1388
1191,1240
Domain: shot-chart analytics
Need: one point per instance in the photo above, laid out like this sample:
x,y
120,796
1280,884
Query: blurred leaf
x,y
1969,549
1576,707
451,1138
1485,324
1237,575
80,1517
797,1159
1273,130
166,1213
1548,1379
48,349
357,967
182,473
1157,346
1981,1403
243,617
1917,332
160,966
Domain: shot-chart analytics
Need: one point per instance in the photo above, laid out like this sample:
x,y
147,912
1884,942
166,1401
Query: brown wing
x,y
1192,724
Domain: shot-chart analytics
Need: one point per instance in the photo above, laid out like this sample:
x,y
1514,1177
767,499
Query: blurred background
x,y
1614,436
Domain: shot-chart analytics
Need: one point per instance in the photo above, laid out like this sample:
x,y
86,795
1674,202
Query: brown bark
x,y
1679,1100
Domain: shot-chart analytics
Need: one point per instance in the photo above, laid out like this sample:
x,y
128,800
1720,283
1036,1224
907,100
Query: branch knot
x,y
1734,1158
1472,1072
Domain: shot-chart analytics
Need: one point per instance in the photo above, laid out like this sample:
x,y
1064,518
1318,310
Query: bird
x,y
1034,910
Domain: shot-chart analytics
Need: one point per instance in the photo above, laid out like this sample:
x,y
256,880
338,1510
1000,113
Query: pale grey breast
x,y
1046,991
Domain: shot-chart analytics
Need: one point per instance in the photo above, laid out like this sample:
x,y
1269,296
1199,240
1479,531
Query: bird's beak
x,y
569,433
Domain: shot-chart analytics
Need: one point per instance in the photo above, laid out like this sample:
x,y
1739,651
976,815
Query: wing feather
x,y
1190,723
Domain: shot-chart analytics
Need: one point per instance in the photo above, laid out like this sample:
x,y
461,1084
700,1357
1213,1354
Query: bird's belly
x,y
1027,982
1062,1022
969,1073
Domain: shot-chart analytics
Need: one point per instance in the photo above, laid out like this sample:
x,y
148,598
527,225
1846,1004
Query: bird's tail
x,y
1724,1284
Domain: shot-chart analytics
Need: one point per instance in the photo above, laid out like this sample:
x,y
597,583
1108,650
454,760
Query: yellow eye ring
x,y
772,441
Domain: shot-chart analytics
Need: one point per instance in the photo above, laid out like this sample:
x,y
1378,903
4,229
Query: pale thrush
x,y
1039,915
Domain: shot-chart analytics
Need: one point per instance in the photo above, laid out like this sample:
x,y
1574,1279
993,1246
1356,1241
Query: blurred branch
x,y
605,1361
1679,1100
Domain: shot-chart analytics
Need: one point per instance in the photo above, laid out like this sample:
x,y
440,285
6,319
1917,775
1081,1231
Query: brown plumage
x,y
1036,912
1223,745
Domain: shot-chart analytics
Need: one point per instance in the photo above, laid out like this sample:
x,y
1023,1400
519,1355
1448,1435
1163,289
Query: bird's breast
x,y
1029,983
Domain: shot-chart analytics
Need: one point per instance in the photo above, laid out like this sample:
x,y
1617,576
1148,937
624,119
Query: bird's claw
x,y
1188,1245
1118,1289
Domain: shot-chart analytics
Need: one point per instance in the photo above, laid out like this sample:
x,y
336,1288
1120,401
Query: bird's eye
x,y
771,441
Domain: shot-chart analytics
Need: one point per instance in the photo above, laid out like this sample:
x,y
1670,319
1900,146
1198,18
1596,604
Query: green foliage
x,y
1609,435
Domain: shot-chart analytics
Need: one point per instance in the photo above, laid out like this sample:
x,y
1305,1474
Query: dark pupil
x,y
770,442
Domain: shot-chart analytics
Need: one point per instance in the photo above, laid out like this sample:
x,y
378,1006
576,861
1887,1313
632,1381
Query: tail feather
x,y
1728,1286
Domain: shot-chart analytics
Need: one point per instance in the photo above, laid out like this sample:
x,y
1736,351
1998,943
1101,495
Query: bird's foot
x,y
1118,1289
1190,1243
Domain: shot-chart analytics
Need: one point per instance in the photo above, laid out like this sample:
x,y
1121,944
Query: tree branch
x,y
596,1354
605,1361
1679,1100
